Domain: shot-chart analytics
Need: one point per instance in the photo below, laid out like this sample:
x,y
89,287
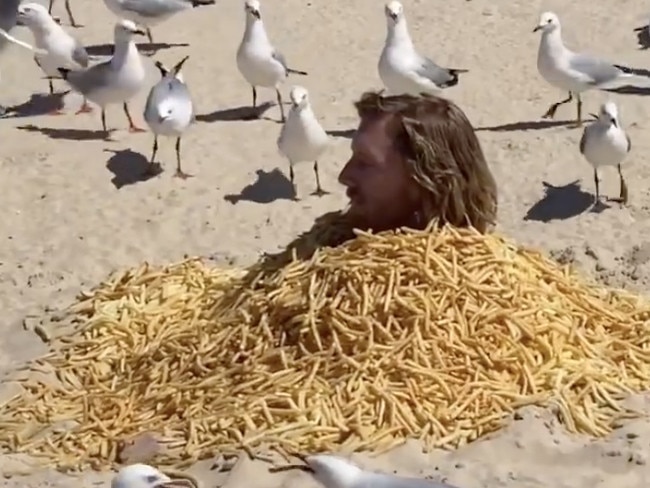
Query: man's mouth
x,y
353,194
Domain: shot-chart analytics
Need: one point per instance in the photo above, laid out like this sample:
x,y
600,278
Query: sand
x,y
74,208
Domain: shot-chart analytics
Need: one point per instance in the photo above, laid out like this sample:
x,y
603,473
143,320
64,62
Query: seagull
x,y
577,72
302,138
114,81
68,9
258,61
169,112
145,476
605,143
401,69
336,472
61,49
149,13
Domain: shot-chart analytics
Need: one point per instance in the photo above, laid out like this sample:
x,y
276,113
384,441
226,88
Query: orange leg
x,y
132,126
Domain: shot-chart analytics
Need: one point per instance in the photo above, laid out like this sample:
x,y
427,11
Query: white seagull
x,y
258,61
61,49
169,112
149,13
302,138
116,80
401,69
336,472
577,72
605,143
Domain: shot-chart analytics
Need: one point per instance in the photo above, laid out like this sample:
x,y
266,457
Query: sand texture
x,y
74,207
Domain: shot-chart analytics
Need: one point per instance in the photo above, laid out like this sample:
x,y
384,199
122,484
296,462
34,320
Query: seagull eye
x,y
548,21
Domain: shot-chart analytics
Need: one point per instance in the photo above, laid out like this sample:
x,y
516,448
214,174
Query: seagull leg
x,y
149,35
70,16
579,100
107,133
623,194
85,108
179,172
152,168
49,9
597,187
319,189
254,97
279,96
291,178
550,113
132,126
54,111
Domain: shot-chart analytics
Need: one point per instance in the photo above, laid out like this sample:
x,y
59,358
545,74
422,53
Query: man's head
x,y
416,159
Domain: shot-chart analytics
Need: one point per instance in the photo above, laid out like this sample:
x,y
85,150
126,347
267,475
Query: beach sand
x,y
73,209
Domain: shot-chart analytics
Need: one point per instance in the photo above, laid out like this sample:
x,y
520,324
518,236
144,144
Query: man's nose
x,y
344,175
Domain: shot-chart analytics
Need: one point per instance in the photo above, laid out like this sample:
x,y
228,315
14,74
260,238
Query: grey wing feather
x,y
80,55
155,8
91,79
598,70
279,57
583,141
430,70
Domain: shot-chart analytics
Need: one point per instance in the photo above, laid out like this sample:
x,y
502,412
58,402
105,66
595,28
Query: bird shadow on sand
x,y
144,47
530,125
129,167
642,37
70,134
269,187
38,104
563,202
347,133
244,113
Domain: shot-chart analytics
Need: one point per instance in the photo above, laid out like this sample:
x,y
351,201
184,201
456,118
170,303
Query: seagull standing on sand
x,y
149,13
336,472
302,138
605,143
169,112
61,49
258,61
116,80
577,72
68,9
401,69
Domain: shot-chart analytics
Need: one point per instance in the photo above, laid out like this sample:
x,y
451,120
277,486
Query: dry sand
x,y
73,210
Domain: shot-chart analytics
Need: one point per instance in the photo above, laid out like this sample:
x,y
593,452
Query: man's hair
x,y
445,157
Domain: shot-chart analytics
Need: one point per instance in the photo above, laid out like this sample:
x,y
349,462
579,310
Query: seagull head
x,y
608,114
299,97
252,8
126,29
548,22
138,476
332,471
32,14
394,11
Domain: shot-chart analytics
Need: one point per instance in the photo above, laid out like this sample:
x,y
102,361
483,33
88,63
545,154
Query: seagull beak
x,y
614,123
393,16
256,14
594,116
537,27
140,32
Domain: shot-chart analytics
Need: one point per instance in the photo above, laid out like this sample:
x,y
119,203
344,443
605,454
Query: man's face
x,y
379,187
